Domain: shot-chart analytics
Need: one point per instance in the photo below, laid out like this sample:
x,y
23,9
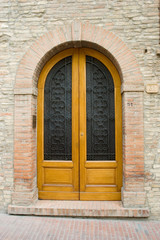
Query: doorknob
x,y
82,134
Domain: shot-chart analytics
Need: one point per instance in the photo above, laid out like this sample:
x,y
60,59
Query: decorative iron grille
x,y
58,112
100,111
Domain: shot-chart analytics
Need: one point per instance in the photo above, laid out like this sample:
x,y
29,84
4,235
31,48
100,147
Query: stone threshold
x,y
100,209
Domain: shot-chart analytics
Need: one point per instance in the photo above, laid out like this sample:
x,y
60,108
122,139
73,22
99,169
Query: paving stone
x,y
32,228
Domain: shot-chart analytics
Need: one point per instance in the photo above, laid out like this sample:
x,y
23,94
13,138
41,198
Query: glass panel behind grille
x,y
100,111
58,112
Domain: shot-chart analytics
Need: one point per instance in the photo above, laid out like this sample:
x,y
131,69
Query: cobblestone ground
x,y
32,227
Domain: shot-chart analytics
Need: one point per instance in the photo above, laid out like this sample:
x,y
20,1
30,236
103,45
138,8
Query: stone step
x,y
98,209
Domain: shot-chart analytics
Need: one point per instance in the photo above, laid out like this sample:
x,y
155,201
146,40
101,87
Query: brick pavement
x,y
31,228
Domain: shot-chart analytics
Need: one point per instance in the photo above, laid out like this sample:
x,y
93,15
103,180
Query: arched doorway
x,y
77,34
79,131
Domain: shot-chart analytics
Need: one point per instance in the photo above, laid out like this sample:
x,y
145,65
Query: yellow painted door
x,y
100,128
65,169
58,128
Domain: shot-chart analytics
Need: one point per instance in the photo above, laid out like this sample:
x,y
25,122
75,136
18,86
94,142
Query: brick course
x,y
125,31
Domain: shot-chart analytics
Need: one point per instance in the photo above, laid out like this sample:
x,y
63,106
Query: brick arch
x,y
74,35
78,34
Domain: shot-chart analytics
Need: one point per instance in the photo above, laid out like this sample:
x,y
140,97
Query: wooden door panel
x,y
99,180
54,188
101,189
58,178
97,177
49,195
100,196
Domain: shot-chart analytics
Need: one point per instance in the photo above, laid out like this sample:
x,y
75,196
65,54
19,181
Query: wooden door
x,y
79,132
100,128
58,163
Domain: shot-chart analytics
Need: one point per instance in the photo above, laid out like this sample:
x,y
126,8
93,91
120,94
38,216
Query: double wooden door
x,y
79,128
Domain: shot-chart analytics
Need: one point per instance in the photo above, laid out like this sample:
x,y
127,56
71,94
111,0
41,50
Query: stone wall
x,y
136,22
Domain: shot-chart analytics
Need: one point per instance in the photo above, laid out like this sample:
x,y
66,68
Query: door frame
x,y
79,139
